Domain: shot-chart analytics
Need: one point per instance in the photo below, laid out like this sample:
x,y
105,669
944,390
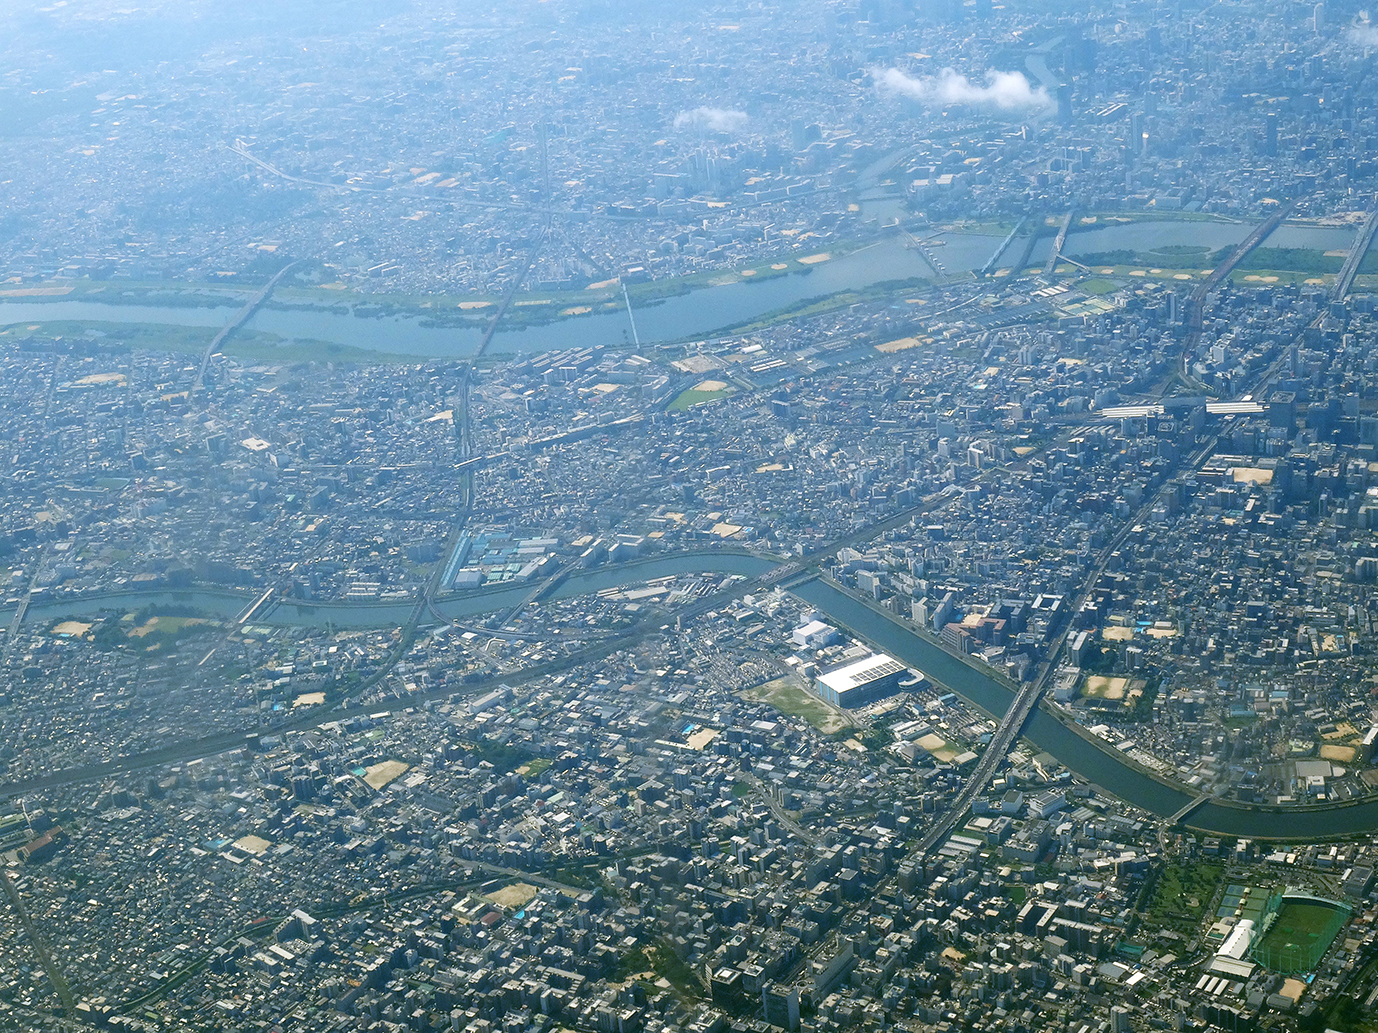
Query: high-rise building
x,y
1064,104
781,1006
803,133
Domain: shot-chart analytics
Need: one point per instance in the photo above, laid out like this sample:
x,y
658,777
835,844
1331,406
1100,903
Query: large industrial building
x,y
856,683
815,635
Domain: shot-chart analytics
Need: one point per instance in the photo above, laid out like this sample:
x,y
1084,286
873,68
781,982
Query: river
x,y
1148,236
386,614
1090,759
700,313
503,597
1096,763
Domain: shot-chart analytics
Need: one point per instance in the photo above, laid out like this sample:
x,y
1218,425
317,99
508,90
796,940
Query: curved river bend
x,y
1087,757
702,312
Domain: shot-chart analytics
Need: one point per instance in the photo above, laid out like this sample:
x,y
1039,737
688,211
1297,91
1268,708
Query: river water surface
x,y
700,313
1096,763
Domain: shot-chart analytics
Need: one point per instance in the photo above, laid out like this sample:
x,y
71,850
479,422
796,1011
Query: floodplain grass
x,y
448,306
244,345
1181,249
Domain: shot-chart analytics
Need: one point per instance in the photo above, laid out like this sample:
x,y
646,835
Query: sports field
x,y
1300,936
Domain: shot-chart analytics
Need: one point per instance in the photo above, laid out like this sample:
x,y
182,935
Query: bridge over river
x,y
1088,756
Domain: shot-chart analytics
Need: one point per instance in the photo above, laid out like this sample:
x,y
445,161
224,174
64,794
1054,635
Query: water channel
x,y
1088,758
701,312
1095,763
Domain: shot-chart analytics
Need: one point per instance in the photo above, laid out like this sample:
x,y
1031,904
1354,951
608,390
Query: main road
x,y
1355,258
1025,699
1087,755
1196,304
239,320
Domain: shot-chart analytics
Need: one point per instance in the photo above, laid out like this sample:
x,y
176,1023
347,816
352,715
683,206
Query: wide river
x,y
701,313
1090,759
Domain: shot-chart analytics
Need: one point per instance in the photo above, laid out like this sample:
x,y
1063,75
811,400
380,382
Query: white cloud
x,y
1008,91
719,120
1365,34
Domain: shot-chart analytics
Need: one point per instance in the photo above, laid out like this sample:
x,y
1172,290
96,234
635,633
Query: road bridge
x,y
915,244
512,290
1196,303
1029,694
990,263
1000,743
1181,815
1058,243
12,636
1355,258
782,573
1029,243
538,591
254,607
239,320
1260,233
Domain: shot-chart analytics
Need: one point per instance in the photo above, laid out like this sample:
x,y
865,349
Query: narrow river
x,y
1089,759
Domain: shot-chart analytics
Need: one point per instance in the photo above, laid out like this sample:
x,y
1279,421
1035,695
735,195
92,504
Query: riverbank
x,y
318,323
1089,757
